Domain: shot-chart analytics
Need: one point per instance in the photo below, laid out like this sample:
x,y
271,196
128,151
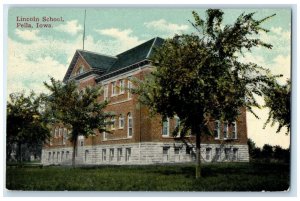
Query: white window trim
x,y
121,87
105,92
121,118
225,128
168,128
129,116
113,125
129,86
235,130
114,89
218,129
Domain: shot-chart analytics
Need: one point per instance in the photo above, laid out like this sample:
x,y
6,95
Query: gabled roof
x,y
136,54
98,61
104,65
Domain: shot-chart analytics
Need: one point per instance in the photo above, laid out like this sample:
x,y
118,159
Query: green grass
x,y
215,177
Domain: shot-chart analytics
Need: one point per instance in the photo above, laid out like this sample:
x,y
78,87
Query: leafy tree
x,y
277,99
25,123
80,110
252,147
199,76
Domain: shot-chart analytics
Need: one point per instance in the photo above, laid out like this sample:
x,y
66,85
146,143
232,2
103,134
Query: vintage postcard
x,y
148,99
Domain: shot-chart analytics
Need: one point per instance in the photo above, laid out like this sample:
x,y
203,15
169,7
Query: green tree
x,y
25,123
199,76
277,99
80,110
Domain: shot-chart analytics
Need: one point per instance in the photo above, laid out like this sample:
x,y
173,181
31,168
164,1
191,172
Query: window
x,y
105,92
113,121
234,131
207,153
104,133
57,156
218,154
111,154
103,154
67,155
65,136
227,154
121,121
49,156
86,154
56,132
62,155
235,154
60,132
122,89
53,156
81,143
80,70
130,125
176,150
177,125
119,154
129,86
165,130
127,154
113,88
217,130
188,150
166,154
225,130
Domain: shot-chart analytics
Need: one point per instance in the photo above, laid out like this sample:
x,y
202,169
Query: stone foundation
x,y
144,153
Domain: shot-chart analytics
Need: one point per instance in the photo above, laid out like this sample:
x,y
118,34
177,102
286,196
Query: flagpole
x,y
83,29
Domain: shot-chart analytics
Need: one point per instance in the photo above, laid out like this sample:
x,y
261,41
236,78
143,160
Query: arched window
x,y
129,125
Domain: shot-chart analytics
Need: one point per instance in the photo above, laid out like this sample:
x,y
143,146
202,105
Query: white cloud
x,y
163,25
29,35
123,39
71,27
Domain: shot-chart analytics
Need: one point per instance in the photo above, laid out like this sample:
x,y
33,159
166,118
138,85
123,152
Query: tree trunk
x,y
198,155
74,152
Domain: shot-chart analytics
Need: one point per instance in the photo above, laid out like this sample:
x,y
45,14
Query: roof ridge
x,y
135,46
151,48
98,53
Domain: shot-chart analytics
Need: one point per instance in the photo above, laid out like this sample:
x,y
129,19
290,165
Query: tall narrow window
x,y
129,86
67,154
129,125
65,136
166,128
103,154
227,154
177,125
218,154
105,92
122,87
208,153
111,154
127,154
121,121
56,132
234,130
113,121
166,154
60,132
235,154
86,155
104,133
62,155
113,88
225,130
217,129
49,156
119,154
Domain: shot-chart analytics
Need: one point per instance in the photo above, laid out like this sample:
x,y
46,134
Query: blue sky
x,y
35,54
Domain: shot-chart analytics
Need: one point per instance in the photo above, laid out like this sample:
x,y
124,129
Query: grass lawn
x,y
216,177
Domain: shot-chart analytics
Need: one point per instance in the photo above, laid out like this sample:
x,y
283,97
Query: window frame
x,y
129,118
234,130
168,128
129,87
121,119
114,89
217,129
225,128
121,86
105,92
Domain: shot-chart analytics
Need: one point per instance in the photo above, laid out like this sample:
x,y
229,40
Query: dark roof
x,y
136,54
106,66
98,61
